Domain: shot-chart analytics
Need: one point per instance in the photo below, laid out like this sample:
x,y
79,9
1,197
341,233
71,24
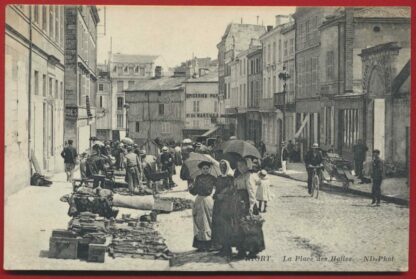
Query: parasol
x,y
187,141
242,148
195,158
99,143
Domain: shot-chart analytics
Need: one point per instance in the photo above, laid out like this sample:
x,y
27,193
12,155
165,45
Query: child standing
x,y
263,190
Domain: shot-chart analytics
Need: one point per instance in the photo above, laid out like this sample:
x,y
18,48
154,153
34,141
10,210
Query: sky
x,y
175,33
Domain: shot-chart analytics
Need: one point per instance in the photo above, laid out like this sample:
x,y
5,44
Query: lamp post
x,y
284,75
127,106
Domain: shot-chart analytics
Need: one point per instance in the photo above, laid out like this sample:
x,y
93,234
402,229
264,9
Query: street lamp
x,y
127,106
284,75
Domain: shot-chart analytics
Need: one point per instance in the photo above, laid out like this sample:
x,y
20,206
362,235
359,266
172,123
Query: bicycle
x,y
316,181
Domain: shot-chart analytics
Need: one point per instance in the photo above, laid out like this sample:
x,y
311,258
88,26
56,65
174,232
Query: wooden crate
x,y
63,248
96,252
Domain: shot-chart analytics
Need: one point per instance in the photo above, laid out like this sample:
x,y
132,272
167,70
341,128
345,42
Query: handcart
x,y
338,169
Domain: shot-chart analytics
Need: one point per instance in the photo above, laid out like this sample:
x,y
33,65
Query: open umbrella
x,y
242,148
127,141
195,158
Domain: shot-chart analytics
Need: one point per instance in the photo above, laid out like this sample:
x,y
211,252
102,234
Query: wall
x,y
206,105
166,126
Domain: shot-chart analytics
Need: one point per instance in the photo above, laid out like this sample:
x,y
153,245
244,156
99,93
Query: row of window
x,y
138,70
270,51
47,86
198,95
51,20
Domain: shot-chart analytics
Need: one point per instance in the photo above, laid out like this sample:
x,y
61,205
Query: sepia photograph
x,y
206,138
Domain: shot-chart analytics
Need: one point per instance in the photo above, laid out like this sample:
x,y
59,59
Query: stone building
x,y
201,103
34,95
344,33
272,41
238,93
385,122
236,38
104,103
156,109
254,92
127,70
80,74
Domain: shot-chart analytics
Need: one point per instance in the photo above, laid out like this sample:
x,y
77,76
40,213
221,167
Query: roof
x,y
158,84
209,77
133,58
400,79
383,12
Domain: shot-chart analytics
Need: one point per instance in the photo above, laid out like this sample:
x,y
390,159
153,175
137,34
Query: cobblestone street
x,y
298,231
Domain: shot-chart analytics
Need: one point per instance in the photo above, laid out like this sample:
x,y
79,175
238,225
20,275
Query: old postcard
x,y
177,138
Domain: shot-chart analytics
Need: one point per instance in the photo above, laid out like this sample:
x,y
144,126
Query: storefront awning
x,y
210,132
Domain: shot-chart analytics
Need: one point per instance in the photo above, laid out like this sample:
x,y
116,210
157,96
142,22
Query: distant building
x,y
80,74
201,103
104,103
156,109
34,94
126,71
236,38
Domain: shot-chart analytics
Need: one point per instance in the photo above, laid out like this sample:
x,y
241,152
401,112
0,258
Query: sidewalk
x,y
393,190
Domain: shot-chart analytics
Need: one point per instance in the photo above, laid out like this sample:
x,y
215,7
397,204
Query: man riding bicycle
x,y
313,159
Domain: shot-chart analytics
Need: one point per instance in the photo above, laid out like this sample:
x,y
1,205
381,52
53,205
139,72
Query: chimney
x,y
158,72
282,19
269,28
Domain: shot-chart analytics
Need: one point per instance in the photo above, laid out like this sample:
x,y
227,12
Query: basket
x,y
252,225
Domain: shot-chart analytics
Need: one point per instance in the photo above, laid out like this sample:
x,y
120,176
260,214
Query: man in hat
x,y
313,158
360,150
377,174
284,156
133,167
166,162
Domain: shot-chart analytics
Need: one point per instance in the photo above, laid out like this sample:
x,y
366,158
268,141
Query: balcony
x,y
285,100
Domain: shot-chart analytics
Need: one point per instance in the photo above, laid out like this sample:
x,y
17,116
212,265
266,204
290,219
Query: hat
x,y
233,137
283,142
263,172
164,149
376,151
315,145
142,152
204,163
198,144
187,141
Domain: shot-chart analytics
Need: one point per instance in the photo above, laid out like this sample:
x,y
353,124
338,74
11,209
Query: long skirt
x,y
202,216
221,224
253,243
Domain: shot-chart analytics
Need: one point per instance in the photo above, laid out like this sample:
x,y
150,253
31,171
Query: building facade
x,y
156,110
272,118
254,93
386,106
80,74
127,70
34,76
201,103
344,34
236,38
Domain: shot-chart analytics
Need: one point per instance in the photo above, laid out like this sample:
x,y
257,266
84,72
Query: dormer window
x,y
115,69
126,69
136,69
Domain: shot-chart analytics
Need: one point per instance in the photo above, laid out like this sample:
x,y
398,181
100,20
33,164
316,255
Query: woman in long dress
x,y
203,206
221,218
244,202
